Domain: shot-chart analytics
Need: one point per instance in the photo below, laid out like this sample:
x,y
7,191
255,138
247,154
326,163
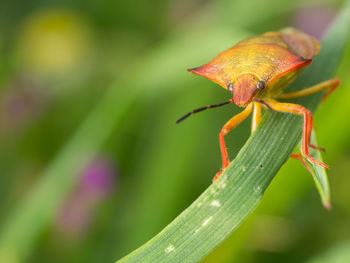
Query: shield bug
x,y
256,71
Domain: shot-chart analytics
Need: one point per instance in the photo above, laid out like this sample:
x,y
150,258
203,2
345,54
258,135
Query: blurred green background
x,y
92,164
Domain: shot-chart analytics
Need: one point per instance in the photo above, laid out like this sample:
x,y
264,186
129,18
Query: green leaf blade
x,y
227,202
32,216
319,174
224,205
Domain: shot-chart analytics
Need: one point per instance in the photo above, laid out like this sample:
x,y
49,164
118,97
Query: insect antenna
x,y
202,109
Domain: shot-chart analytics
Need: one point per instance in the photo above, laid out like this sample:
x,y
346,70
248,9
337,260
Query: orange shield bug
x,y
256,71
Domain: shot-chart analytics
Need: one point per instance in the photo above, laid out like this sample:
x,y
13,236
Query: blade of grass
x,y
227,202
319,174
25,224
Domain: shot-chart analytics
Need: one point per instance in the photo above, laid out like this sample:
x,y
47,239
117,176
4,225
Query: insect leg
x,y
256,116
232,123
318,148
331,84
300,158
299,110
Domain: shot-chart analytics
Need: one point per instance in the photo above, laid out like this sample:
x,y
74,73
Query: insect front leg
x,y
307,126
232,123
256,116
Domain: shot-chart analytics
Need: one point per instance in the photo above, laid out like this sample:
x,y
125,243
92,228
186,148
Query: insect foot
x,y
217,176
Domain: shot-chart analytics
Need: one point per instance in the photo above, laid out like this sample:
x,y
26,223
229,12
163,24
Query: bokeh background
x,y
92,164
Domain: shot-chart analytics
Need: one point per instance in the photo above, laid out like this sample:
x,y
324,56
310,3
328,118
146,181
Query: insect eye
x,y
260,85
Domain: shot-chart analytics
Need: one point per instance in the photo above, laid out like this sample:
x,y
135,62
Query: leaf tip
x,y
327,204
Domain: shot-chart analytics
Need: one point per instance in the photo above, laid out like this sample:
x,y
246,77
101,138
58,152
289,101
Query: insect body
x,y
256,71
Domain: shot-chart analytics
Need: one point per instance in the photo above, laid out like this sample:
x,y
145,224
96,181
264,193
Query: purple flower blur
x,y
98,178
24,99
97,182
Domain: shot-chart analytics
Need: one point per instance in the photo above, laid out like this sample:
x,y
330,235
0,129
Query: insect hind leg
x,y
307,126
